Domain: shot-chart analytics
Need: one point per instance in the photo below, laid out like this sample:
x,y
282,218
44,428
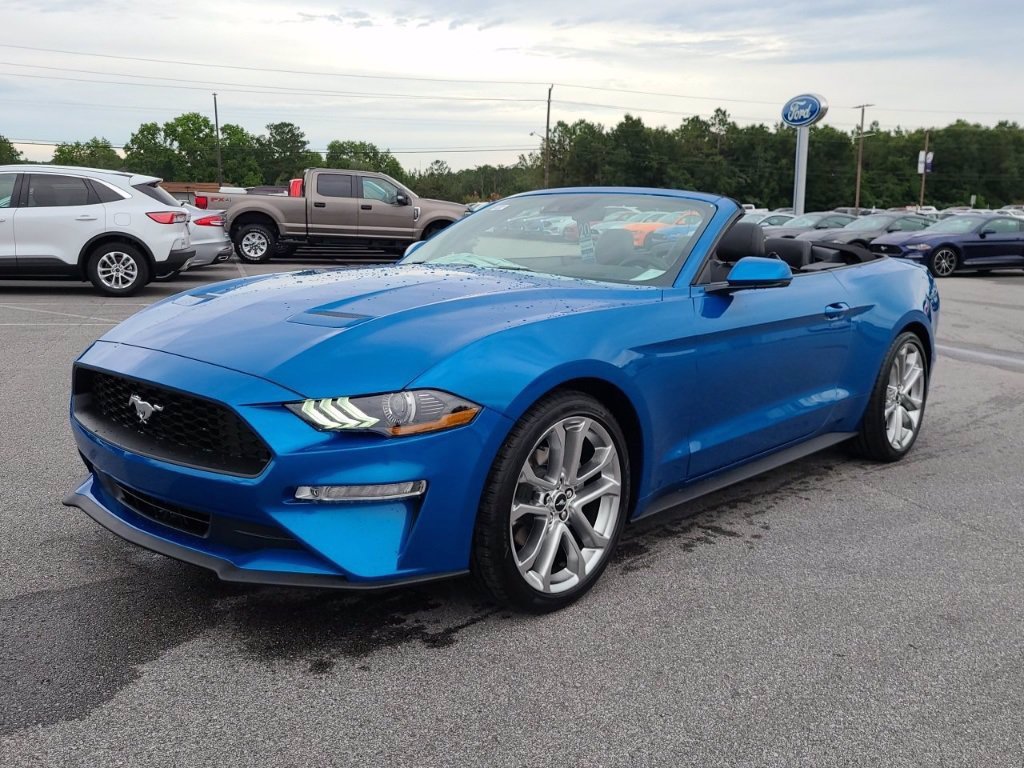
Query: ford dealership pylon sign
x,y
804,111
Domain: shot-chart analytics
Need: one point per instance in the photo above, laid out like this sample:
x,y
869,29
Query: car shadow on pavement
x,y
66,652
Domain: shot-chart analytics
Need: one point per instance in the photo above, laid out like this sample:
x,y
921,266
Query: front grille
x,y
182,428
165,513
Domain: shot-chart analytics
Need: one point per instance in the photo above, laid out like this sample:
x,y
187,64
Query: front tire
x,y
943,261
892,420
255,243
117,269
555,502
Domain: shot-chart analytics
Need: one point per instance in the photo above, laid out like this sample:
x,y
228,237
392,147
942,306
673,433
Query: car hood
x,y
457,209
357,331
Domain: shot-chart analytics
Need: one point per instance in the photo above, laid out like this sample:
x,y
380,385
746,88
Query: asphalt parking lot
x,y
833,612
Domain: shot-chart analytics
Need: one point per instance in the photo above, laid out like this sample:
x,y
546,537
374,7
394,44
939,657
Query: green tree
x,y
363,156
8,154
192,138
148,152
285,153
94,153
240,153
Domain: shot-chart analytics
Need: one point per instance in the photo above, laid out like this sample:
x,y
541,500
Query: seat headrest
x,y
613,246
742,239
796,253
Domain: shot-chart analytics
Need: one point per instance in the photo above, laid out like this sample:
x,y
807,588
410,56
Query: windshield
x,y
954,225
494,238
866,223
808,220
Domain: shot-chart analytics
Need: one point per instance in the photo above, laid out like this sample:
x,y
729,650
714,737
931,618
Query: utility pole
x,y
860,153
924,169
547,138
216,124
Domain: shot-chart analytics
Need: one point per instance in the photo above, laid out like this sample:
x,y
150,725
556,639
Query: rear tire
x,y
895,411
542,536
255,243
117,269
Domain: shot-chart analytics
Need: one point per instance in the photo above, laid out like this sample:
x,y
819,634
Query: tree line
x,y
752,163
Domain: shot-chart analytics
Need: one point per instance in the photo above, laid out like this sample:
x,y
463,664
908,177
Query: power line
x,y
420,78
203,85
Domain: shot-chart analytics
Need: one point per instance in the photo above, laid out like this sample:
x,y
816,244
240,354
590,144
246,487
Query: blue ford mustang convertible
x,y
498,402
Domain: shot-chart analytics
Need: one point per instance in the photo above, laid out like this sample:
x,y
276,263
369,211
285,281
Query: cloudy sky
x,y
466,80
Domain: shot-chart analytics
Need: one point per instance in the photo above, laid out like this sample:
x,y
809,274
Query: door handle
x,y
837,311
319,205
85,217
366,207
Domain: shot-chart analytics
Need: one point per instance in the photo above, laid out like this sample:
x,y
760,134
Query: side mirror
x,y
987,231
754,272
401,199
412,248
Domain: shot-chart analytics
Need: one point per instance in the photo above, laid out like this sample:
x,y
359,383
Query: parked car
x,y
864,229
809,221
491,404
768,219
206,232
117,230
964,242
356,207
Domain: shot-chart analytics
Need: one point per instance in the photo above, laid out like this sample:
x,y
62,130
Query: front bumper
x,y
175,262
259,532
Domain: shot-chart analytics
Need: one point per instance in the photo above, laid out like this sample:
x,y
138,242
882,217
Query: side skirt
x,y
744,472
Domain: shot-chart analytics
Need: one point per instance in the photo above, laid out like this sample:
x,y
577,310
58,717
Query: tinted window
x,y
6,188
104,193
158,193
910,225
378,189
836,221
334,185
51,191
1002,226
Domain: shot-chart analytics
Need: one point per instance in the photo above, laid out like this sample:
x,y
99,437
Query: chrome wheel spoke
x,y
575,562
548,551
599,461
604,487
529,476
519,511
581,526
575,437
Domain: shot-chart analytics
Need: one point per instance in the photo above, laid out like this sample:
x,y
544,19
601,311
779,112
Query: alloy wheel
x,y
944,262
117,270
566,505
904,396
255,245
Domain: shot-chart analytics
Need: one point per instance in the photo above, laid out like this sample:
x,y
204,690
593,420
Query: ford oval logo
x,y
805,110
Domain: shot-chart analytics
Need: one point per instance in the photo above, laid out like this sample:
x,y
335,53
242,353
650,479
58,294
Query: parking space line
x,y
52,312
62,325
241,271
1007,361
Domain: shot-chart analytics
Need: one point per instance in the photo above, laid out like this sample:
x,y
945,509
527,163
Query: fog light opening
x,y
385,492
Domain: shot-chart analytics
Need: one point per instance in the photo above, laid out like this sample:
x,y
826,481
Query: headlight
x,y
919,247
394,414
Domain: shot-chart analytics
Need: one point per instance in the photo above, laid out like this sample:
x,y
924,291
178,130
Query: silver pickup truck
x,y
332,206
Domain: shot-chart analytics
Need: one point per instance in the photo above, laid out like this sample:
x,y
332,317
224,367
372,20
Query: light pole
x,y
860,153
547,136
216,126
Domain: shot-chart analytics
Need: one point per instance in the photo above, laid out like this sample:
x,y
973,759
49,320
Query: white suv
x,y
118,230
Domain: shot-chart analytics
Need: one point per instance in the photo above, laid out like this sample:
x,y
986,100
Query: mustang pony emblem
x,y
143,409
